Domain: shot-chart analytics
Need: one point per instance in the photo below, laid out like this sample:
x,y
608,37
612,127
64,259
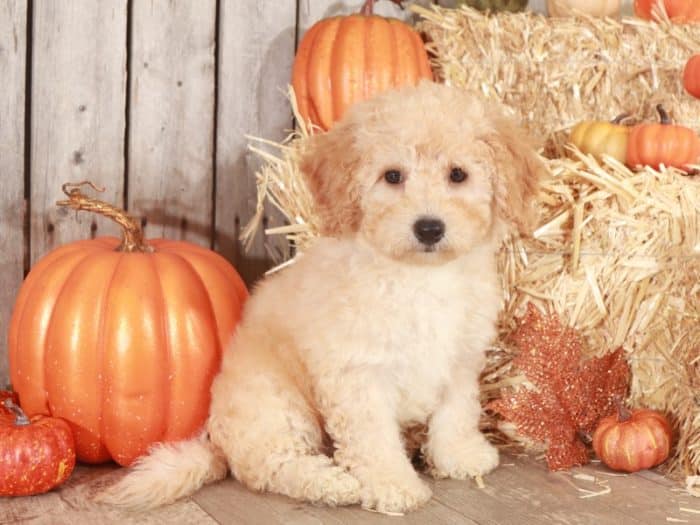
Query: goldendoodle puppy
x,y
380,326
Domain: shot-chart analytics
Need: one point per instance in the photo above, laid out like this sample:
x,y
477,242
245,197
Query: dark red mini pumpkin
x,y
36,455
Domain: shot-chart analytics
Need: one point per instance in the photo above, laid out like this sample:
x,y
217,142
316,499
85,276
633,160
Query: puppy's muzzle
x,y
429,230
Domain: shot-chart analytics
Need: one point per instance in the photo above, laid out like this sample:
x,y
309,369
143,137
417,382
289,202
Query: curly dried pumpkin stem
x,y
132,234
21,419
368,7
663,115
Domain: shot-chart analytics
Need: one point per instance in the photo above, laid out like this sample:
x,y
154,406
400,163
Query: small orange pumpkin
x,y
691,76
122,338
662,143
679,11
633,440
36,455
345,59
598,138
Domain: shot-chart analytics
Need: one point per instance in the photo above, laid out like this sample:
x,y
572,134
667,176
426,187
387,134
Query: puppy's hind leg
x,y
273,441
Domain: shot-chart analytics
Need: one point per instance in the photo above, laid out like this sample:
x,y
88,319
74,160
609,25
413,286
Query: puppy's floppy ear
x,y
330,165
518,170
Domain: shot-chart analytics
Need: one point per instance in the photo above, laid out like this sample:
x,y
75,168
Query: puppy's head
x,y
423,174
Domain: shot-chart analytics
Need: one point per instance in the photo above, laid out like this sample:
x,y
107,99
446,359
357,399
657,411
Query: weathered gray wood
x,y
171,117
522,489
538,6
70,505
256,51
78,97
311,11
231,503
634,494
13,46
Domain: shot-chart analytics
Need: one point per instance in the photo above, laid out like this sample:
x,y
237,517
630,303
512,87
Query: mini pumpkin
x,y
599,137
122,338
679,11
633,440
495,5
36,455
662,143
598,8
691,76
345,59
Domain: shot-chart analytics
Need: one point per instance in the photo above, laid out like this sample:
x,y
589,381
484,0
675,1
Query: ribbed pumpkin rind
x,y
656,144
601,138
343,60
639,443
158,321
691,76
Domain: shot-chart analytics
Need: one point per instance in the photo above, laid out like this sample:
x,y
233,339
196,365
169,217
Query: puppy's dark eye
x,y
393,176
458,175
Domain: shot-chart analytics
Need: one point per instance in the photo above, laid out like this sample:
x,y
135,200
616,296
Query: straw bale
x,y
554,72
616,253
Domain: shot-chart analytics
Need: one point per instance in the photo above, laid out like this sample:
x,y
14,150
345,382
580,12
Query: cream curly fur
x,y
369,333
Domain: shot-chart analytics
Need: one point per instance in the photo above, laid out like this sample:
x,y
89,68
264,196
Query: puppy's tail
x,y
169,472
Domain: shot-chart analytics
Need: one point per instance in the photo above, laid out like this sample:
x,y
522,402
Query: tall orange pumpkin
x,y
122,338
345,59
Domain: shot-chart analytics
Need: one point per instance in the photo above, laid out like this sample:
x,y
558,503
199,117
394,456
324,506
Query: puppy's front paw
x,y
395,494
462,459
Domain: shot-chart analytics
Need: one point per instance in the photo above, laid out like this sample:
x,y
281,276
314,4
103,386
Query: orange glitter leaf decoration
x,y
570,397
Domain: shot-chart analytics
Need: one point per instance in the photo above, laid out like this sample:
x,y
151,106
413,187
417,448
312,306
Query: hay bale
x,y
553,72
616,253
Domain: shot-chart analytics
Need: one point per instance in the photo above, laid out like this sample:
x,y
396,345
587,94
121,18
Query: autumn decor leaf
x,y
569,396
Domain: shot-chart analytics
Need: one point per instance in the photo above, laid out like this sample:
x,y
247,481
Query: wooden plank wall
x,y
152,100
13,48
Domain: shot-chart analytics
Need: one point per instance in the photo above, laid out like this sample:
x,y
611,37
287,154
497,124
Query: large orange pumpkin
x,y
122,338
345,59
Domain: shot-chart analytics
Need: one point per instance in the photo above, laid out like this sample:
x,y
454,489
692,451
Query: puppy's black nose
x,y
428,230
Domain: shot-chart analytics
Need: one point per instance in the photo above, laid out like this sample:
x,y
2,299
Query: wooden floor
x,y
520,492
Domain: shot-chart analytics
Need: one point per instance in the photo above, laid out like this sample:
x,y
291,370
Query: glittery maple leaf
x,y
570,396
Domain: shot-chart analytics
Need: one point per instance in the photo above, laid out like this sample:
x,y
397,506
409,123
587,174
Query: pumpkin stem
x,y
585,437
132,234
663,115
623,413
620,118
21,419
368,7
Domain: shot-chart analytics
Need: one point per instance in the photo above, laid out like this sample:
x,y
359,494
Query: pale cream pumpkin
x,y
591,7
